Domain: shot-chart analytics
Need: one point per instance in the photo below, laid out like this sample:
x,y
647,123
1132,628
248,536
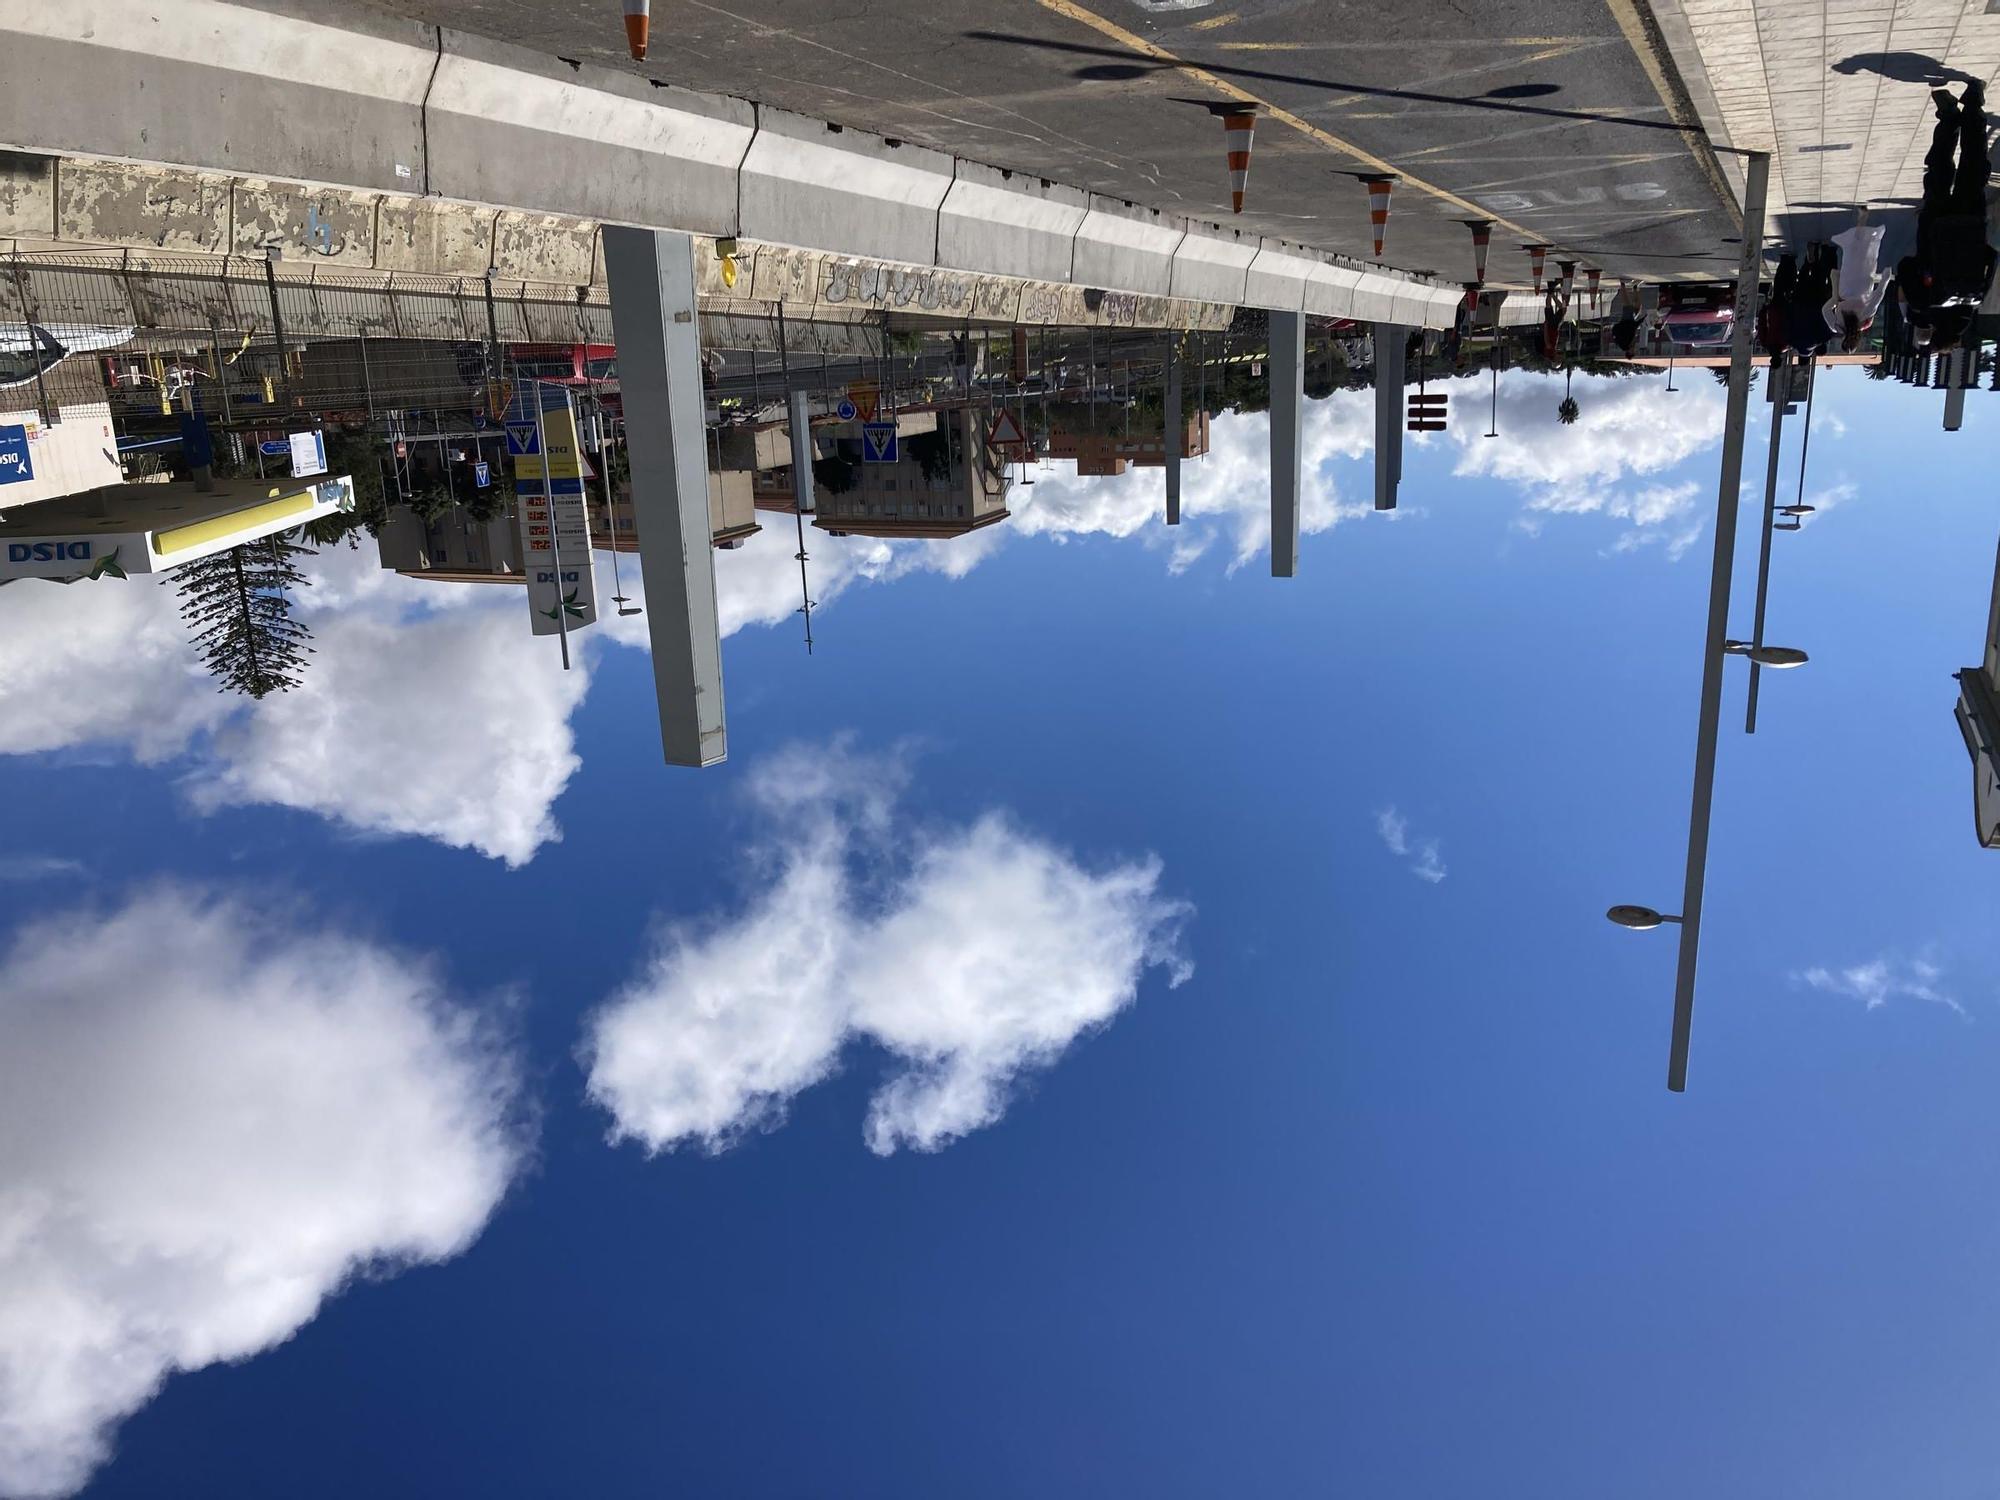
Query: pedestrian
x,y
1948,275
1861,282
1625,331
1555,306
1800,314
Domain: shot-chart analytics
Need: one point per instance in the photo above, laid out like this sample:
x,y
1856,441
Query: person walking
x,y
1800,314
1861,282
1947,277
1631,316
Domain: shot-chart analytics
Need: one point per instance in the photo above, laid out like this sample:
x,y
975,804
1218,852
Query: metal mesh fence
x,y
244,337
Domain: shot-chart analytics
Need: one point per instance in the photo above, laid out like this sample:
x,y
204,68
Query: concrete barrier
x,y
1212,264
1009,224
808,183
1278,277
1329,291
514,129
1125,249
204,83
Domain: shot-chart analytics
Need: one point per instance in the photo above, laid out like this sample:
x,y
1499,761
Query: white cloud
x,y
425,709
1880,980
451,725
99,662
213,1123
1426,856
1627,428
970,954
30,867
1225,495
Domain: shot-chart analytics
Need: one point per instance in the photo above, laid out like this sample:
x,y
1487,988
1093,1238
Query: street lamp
x,y
1638,918
1775,657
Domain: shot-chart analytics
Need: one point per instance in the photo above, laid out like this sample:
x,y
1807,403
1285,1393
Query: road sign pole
x,y
555,526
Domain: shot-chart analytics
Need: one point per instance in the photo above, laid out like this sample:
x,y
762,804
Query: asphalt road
x,y
1549,116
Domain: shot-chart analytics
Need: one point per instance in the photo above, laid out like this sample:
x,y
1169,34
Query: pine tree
x,y
238,606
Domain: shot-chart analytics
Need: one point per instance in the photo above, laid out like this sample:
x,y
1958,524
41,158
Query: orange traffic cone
x,y
1568,269
638,20
1482,231
1239,123
1537,260
1596,277
1378,207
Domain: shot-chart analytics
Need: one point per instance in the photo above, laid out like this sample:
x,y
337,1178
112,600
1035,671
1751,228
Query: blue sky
x,y
1118,1022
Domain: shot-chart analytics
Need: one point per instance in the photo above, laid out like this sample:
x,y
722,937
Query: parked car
x,y
1698,316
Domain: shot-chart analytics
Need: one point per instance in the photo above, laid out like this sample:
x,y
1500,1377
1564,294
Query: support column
x,y
654,320
1958,375
1391,344
1176,427
802,452
1287,374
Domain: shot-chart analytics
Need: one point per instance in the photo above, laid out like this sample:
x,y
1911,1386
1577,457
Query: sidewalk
x,y
1837,90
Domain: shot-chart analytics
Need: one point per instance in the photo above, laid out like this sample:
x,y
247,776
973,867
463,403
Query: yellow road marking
x,y
1214,21
1561,44
1071,11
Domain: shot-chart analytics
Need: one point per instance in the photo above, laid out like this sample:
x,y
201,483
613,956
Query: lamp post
x,y
1757,177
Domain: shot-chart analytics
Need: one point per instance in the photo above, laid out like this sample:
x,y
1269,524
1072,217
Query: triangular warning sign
x,y
1005,432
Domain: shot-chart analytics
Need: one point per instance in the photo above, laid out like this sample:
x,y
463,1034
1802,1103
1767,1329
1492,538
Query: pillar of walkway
x,y
656,324
1287,374
1958,375
802,452
1176,426
1391,346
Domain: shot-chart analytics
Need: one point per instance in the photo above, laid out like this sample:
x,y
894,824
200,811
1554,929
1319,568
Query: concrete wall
x,y
411,148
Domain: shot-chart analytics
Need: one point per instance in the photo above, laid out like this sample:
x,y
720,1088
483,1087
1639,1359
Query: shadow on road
x,y
1903,67
1502,100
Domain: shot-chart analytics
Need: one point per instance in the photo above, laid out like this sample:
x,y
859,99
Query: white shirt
x,y
1861,285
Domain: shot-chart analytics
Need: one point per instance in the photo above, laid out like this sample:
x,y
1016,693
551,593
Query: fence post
x,y
278,323
49,416
493,365
221,370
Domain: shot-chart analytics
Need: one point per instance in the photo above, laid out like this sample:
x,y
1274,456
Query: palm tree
x,y
1567,412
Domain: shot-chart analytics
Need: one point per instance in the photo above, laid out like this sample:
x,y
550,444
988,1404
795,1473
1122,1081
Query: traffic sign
x,y
17,460
847,411
1426,424
274,447
482,475
863,397
878,443
1005,432
523,441
1427,399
